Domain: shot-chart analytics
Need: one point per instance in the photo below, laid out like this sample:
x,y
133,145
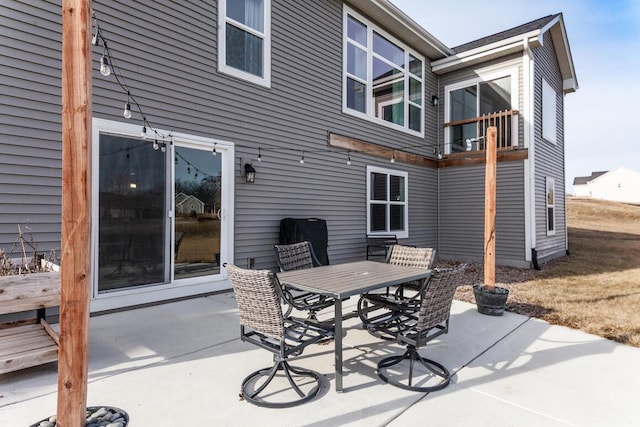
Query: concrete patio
x,y
181,364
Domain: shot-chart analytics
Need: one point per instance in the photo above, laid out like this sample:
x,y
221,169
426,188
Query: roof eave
x,y
389,15
563,53
483,53
516,44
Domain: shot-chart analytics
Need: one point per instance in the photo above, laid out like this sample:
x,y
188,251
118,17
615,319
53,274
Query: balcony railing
x,y
469,134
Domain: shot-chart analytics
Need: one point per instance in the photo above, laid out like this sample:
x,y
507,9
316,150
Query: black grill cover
x,y
295,230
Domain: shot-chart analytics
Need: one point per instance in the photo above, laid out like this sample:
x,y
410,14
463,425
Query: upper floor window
x,y
244,39
467,101
383,79
549,125
387,206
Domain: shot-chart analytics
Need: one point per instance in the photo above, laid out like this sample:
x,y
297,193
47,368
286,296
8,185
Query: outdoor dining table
x,y
342,281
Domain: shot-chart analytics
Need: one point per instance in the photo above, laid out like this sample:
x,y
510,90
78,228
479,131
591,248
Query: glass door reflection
x,y
197,212
132,220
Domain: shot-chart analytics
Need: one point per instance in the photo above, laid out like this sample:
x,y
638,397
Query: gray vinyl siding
x,y
167,51
30,149
461,189
549,158
461,221
302,106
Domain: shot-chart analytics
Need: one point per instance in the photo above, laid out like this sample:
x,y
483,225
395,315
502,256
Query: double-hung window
x,y
551,206
387,203
383,79
244,39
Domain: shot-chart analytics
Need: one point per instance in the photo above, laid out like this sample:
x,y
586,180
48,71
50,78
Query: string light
x,y
214,152
108,67
127,107
393,157
105,69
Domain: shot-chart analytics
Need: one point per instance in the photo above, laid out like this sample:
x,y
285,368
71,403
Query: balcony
x,y
469,134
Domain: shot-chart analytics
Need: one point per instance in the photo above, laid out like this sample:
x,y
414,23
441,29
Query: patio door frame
x,y
171,288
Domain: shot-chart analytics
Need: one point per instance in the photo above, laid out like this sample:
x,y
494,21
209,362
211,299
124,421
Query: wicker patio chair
x,y
376,309
262,323
297,256
415,329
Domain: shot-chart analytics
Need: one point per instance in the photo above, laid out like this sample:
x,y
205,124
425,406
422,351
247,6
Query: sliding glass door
x,y
161,217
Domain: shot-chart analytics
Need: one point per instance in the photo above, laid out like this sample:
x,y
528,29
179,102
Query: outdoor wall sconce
x,y
249,173
435,100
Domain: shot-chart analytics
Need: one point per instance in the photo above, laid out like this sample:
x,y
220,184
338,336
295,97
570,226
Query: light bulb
x,y
94,39
155,145
163,148
143,134
393,158
127,111
214,152
105,69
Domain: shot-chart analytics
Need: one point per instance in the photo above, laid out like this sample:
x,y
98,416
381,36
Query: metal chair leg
x,y
412,355
253,396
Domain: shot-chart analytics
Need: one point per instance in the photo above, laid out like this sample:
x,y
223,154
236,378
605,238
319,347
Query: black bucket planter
x,y
490,301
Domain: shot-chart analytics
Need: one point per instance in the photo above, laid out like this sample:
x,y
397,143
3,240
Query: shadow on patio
x,y
181,364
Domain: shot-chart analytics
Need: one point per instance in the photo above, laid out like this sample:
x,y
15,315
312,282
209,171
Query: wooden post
x,y
76,213
490,210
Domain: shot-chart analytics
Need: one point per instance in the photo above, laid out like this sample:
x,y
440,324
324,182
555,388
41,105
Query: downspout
x,y
564,177
439,156
529,164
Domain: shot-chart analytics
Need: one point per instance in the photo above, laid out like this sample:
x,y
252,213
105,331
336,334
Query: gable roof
x,y
582,180
512,32
514,40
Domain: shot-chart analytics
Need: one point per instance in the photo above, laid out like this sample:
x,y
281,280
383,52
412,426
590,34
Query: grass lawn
x,y
597,287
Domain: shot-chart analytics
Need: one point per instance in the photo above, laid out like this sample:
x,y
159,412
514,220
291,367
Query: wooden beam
x,y
490,210
479,157
75,272
359,146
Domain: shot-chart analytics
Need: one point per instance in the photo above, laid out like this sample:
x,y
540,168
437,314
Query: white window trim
x,y
178,288
550,183
399,234
483,77
549,113
370,109
266,54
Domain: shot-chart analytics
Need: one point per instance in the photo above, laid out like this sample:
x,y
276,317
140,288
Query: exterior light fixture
x,y
435,100
249,173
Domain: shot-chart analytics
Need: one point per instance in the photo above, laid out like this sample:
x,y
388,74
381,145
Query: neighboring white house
x,y
618,185
185,204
